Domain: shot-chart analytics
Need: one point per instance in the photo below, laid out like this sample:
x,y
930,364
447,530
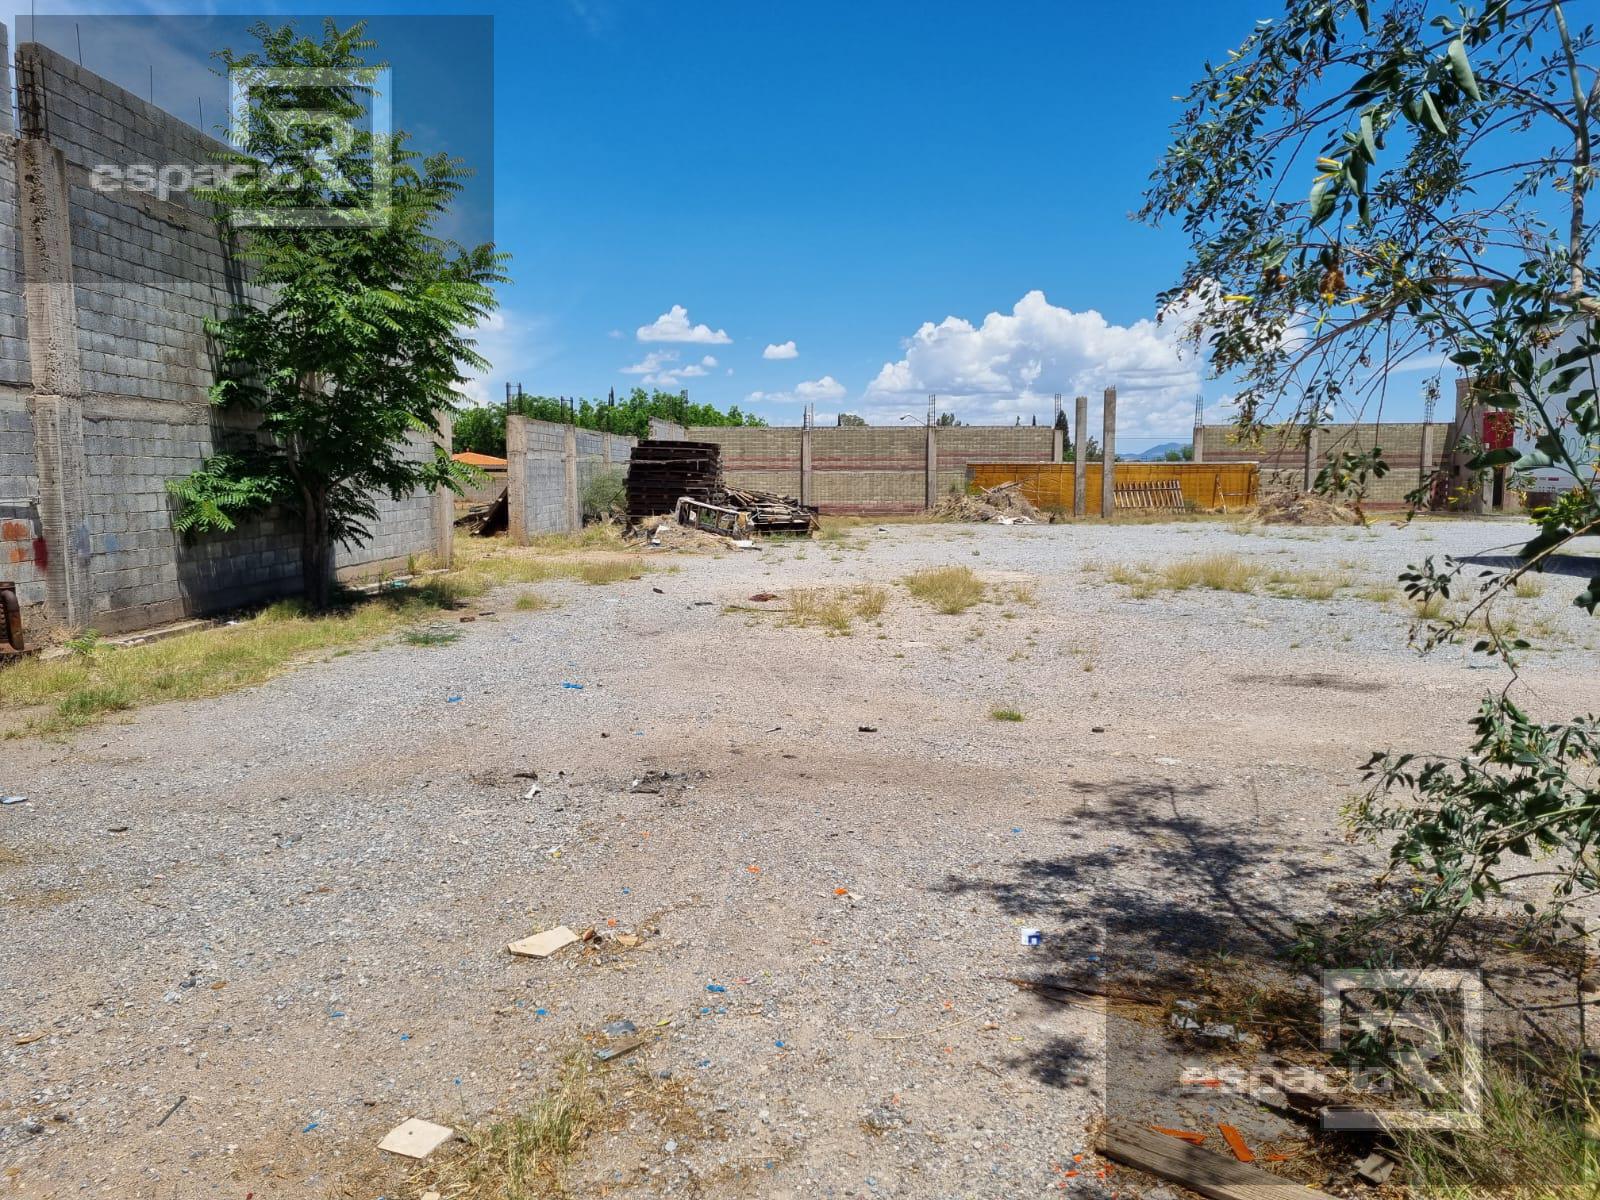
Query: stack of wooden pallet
x,y
660,472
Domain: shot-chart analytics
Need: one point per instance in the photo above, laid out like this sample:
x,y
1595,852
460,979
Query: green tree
x,y
363,339
483,427
1363,184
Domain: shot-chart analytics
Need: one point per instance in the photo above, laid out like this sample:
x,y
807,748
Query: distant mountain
x,y
1157,453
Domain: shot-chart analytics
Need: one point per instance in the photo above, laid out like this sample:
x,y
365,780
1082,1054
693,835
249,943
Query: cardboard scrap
x,y
415,1138
543,945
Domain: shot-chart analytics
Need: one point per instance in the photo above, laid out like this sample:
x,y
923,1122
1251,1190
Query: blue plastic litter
x,y
453,700
573,687
715,987
311,1126
779,1044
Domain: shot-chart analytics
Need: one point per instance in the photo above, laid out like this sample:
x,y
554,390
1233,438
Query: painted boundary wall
x,y
1051,485
104,369
869,469
548,466
1291,455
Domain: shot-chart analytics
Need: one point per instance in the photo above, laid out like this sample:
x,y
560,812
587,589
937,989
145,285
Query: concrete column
x,y
7,127
1199,443
517,479
932,467
1108,470
1058,447
63,522
57,404
444,501
1425,455
569,464
1313,443
805,465
1080,468
1466,485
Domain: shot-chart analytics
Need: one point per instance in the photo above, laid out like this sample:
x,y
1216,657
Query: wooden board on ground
x,y
1196,1168
543,945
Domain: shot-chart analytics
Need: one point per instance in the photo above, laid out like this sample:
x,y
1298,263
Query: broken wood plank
x,y
1199,1170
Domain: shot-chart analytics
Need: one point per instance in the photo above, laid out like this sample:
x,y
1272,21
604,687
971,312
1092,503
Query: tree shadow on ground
x,y
1576,565
1159,874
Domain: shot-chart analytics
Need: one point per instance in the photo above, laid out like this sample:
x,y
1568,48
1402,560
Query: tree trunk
x,y
316,552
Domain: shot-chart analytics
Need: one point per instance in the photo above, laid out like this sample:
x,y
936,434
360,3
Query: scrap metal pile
x,y
685,479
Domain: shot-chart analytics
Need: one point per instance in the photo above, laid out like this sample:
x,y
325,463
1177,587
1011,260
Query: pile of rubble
x,y
1003,505
1288,507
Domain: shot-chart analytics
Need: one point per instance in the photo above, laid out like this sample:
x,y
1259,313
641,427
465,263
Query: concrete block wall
x,y
767,460
103,300
547,467
1412,449
959,445
148,269
867,469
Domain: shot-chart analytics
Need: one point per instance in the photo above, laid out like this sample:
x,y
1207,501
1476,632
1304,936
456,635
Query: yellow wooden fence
x,y
1206,486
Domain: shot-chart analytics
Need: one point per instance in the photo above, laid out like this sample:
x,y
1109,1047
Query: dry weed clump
x,y
950,590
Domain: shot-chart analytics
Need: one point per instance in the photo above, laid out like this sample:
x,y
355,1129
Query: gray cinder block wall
x,y
1292,455
104,369
869,469
548,465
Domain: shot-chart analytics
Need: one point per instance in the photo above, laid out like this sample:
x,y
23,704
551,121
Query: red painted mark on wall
x,y
41,554
15,531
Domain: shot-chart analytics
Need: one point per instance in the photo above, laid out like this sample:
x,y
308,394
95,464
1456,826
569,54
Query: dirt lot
x,y
290,906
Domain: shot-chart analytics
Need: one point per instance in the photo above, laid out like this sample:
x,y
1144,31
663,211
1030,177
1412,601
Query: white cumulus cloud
x,y
1013,363
660,368
826,389
674,326
784,350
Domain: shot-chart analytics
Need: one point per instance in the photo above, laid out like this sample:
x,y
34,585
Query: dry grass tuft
x,y
1528,587
1005,714
950,590
1230,573
83,688
836,609
534,602
1536,1139
522,1157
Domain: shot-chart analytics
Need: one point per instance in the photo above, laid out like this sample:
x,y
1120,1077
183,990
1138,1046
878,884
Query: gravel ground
x,y
291,905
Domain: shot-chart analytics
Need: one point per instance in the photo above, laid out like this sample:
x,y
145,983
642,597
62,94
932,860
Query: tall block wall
x,y
767,460
548,466
105,366
1413,451
868,469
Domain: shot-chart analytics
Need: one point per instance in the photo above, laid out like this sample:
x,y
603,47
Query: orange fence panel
x,y
1206,486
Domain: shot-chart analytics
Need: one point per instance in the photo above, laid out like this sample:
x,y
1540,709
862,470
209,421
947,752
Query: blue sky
x,y
920,196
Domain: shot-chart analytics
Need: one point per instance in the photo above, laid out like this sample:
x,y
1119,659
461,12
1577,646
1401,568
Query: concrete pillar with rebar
x,y
1080,456
1108,456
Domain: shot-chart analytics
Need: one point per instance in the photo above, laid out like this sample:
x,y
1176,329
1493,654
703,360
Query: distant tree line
x,y
483,428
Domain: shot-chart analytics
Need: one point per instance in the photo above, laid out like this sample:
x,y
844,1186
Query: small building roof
x,y
473,459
